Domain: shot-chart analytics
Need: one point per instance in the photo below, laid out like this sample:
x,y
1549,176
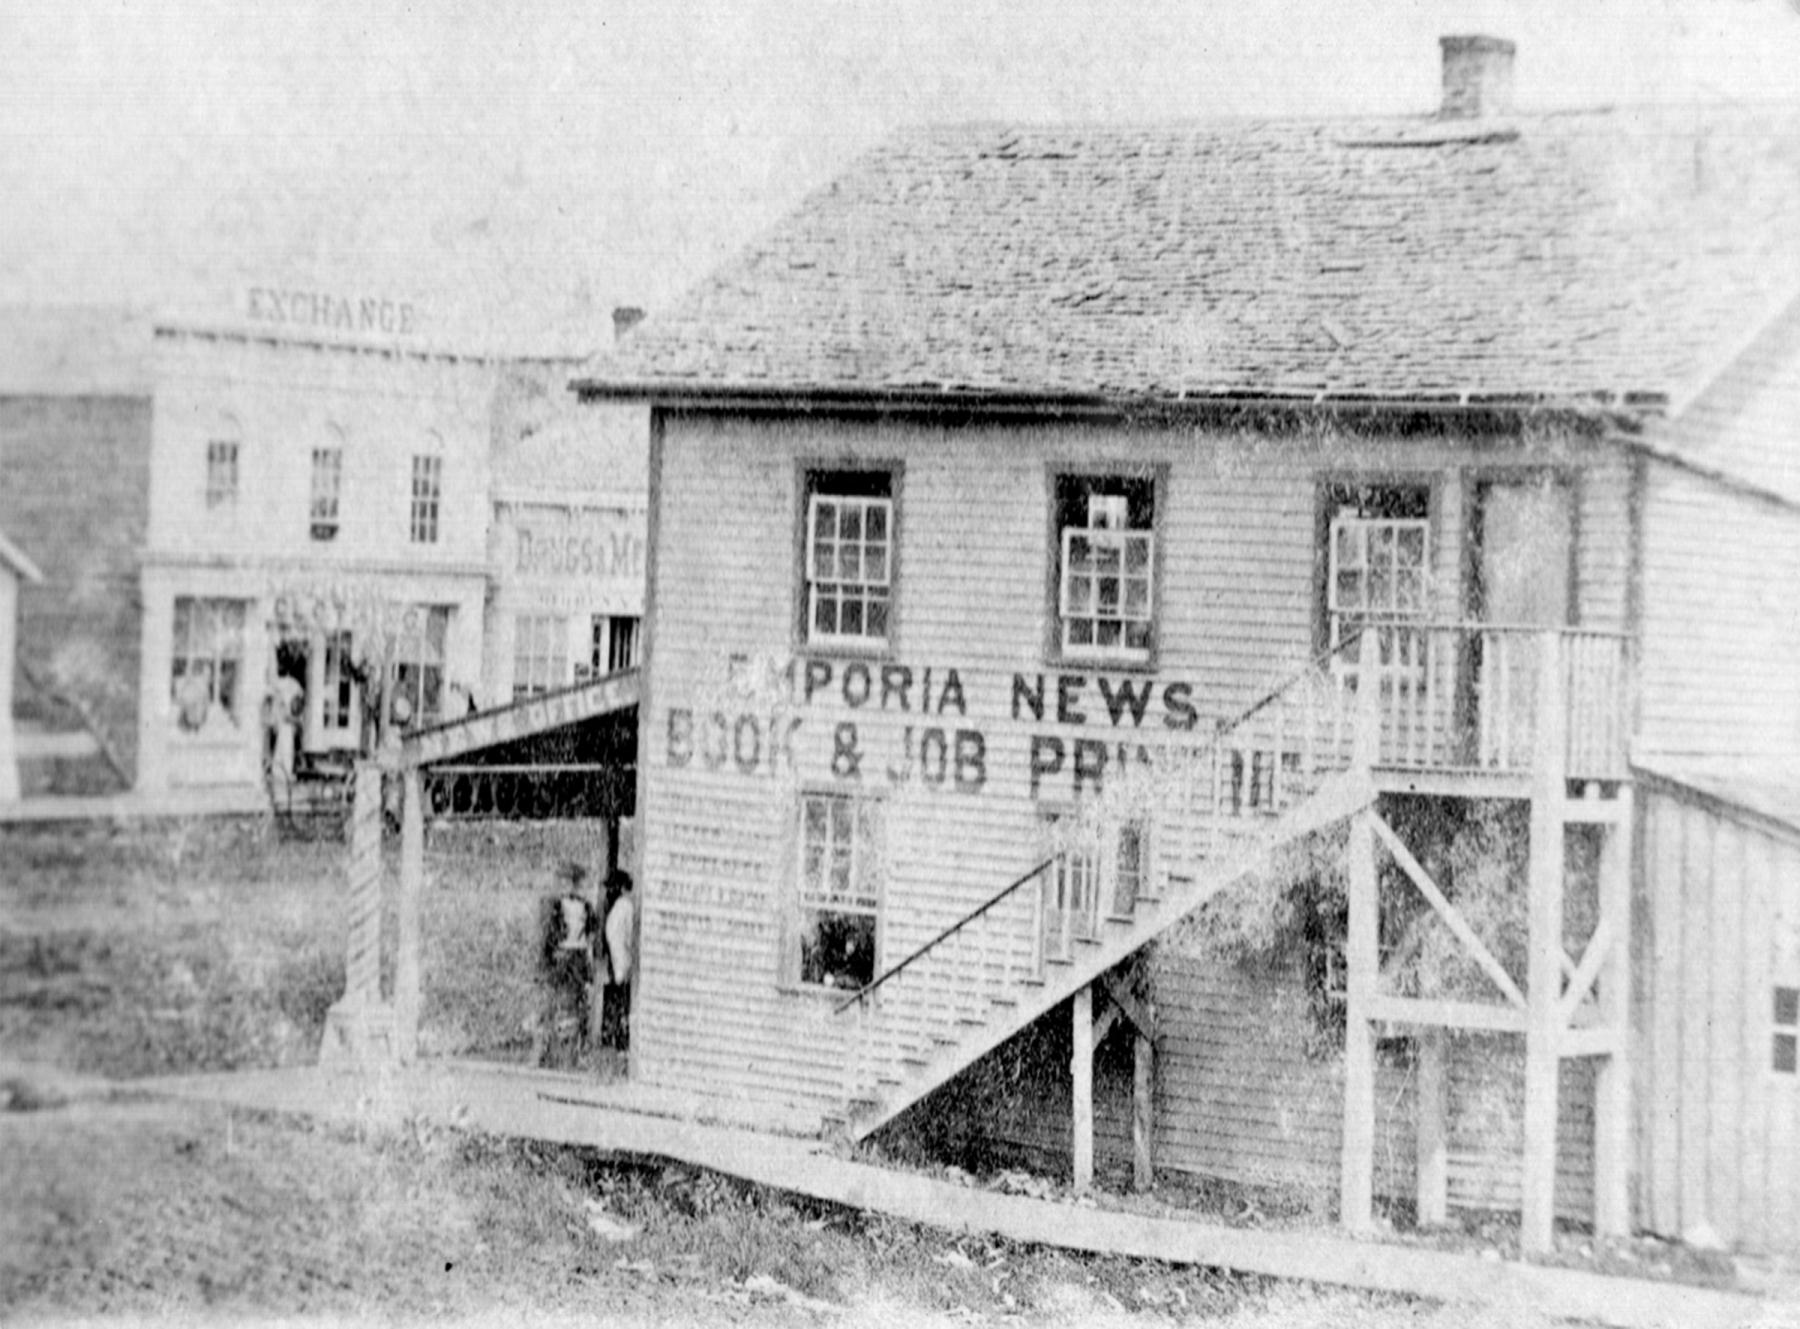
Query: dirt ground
x,y
216,945
194,946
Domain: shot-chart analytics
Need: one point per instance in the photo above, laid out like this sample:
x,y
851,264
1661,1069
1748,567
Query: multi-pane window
x,y
327,488
427,495
221,473
839,891
207,662
339,709
849,558
1786,1051
1106,560
615,643
1093,872
1378,552
418,691
540,659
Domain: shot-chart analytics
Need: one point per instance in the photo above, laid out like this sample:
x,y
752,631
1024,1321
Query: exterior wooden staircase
x,y
1282,771
1398,706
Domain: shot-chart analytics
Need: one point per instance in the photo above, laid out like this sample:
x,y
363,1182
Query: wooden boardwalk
x,y
757,1147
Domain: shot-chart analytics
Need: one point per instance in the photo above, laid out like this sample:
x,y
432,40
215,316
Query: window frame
x,y
1102,861
812,477
1784,1031
185,654
1327,503
224,474
558,641
1124,660
416,632
866,806
426,510
325,509
603,649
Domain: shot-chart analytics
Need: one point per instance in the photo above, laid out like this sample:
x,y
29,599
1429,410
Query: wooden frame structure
x,y
1557,1011
363,1027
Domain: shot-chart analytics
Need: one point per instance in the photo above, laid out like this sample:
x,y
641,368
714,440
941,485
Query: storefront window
x,y
207,663
540,654
419,671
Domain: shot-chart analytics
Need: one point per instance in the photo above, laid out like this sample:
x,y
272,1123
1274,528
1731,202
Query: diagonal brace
x,y
1457,924
1599,947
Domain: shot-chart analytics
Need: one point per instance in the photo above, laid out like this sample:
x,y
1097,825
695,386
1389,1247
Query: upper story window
x,y
1377,571
427,495
221,473
849,563
540,654
1106,567
327,489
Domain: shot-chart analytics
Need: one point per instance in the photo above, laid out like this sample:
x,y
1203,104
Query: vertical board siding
x,y
1236,594
1719,1131
1720,630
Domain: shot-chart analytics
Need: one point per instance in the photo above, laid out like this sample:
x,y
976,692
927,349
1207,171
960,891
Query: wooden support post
x,y
1081,1080
1612,1089
1143,1112
358,1027
1543,1017
1433,1137
1356,1194
412,887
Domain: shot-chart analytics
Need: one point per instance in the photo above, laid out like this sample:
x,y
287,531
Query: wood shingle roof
x,y
1614,254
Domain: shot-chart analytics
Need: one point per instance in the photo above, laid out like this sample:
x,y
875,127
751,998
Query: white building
x,y
15,568
317,534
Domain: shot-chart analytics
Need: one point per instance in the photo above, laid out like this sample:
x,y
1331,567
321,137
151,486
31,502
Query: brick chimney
x,y
1478,74
625,318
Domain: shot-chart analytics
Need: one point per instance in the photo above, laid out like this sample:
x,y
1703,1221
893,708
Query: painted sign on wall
x,y
329,311
558,548
891,724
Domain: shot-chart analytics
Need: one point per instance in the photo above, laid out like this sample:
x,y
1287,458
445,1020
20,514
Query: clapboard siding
x,y
1720,630
1241,1098
1718,905
1237,613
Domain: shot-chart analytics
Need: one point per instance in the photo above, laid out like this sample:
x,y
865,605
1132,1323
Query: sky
x,y
514,167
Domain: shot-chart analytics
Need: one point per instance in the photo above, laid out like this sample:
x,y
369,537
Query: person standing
x,y
621,957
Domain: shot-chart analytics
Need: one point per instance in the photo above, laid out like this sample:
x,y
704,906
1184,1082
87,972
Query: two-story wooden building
x,y
1060,536
317,528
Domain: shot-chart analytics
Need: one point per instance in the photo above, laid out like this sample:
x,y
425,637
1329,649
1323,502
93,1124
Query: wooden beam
x,y
412,886
1447,1014
1544,954
1081,1081
1143,1112
1451,915
1104,1022
1598,952
1433,1132
1612,1087
1356,1191
1134,1010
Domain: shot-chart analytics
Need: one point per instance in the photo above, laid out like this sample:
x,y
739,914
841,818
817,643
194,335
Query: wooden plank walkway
x,y
630,1119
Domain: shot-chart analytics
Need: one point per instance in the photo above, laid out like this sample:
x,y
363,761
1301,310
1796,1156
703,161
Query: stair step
x,y
1126,919
1003,999
972,1021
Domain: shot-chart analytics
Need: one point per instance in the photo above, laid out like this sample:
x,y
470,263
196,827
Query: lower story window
x,y
839,891
540,659
1093,872
419,668
340,708
207,663
615,643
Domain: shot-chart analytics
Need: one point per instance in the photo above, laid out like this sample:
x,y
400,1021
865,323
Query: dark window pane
x,y
1785,1048
1787,1006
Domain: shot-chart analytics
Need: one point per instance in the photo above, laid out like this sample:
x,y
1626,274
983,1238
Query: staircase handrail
x,y
1311,667
961,923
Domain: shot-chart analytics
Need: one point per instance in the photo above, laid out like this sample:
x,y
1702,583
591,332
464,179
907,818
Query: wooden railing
x,y
1451,697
